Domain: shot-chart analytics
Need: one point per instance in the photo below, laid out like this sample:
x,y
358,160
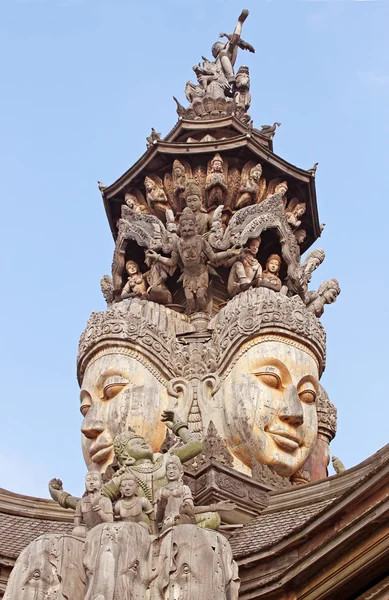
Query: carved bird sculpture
x,y
338,465
313,170
101,186
269,130
180,109
153,137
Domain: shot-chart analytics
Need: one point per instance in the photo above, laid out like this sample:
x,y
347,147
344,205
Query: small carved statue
x,y
193,253
251,176
179,181
135,285
175,504
338,465
93,508
133,508
312,262
242,96
326,294
216,182
246,271
216,233
226,53
294,211
156,278
106,285
270,277
135,201
152,138
194,202
136,456
155,194
278,188
269,130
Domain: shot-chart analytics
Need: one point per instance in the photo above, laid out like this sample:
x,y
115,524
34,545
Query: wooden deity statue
x,y
155,194
135,285
93,508
270,277
193,253
194,202
326,294
226,53
242,96
246,271
135,455
156,278
131,507
216,182
294,211
175,506
251,176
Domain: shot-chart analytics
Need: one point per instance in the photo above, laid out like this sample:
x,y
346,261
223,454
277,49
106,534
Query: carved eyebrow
x,y
309,379
111,373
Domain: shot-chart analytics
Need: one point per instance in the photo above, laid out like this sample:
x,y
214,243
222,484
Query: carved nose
x,y
92,425
291,410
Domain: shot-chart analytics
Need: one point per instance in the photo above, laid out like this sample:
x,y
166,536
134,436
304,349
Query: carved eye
x,y
84,409
308,396
186,569
86,402
113,386
270,379
36,574
135,565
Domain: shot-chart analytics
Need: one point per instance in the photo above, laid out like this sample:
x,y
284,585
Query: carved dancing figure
x,y
251,176
133,508
246,271
216,181
156,278
135,285
193,253
270,277
93,508
194,202
326,294
155,194
216,233
294,211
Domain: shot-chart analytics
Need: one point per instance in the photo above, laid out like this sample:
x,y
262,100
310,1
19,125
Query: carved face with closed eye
x,y
268,404
118,392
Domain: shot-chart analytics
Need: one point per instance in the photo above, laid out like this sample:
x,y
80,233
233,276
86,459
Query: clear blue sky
x,y
83,81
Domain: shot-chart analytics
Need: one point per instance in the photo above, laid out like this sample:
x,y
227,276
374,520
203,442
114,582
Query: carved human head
x,y
256,173
243,79
300,236
131,267
187,223
193,195
300,209
281,188
217,48
174,469
178,169
128,485
273,263
253,245
269,379
217,163
329,290
130,447
93,481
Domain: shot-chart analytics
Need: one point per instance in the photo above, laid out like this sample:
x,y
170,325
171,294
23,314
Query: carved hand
x,y
187,509
97,508
56,484
152,255
243,15
170,418
236,249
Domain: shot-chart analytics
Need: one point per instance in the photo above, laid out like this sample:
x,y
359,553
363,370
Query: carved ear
x,y
181,393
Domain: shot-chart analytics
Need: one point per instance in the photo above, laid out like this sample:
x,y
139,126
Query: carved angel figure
x,y
135,285
136,202
270,277
216,182
300,235
246,271
294,211
194,202
251,176
155,194
106,285
156,278
193,253
216,233
277,186
326,294
175,184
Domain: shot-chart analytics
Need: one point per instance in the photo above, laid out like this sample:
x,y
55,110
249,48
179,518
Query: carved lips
x,y
284,439
99,451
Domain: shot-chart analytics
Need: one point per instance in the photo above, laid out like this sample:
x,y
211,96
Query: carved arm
x,y
59,495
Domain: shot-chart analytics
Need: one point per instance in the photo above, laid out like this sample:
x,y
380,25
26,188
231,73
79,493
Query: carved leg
x,y
190,301
202,299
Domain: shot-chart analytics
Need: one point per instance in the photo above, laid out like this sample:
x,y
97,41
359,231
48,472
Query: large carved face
x,y
268,404
118,392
